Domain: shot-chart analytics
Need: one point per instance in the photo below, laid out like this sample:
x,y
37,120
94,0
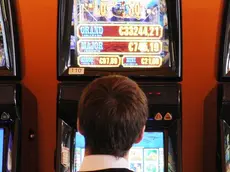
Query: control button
x,y
154,93
168,117
150,93
5,116
158,117
158,93
31,134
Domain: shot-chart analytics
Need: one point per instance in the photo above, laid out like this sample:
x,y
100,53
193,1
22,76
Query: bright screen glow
x,y
147,156
1,147
3,48
226,130
120,34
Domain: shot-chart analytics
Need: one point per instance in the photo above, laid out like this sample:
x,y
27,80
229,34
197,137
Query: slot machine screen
x,y
65,146
226,130
3,46
1,148
146,156
171,158
129,37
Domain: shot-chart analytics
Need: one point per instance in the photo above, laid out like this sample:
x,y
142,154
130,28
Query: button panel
x,y
158,117
167,117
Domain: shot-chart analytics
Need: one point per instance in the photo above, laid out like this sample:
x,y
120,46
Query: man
x,y
112,114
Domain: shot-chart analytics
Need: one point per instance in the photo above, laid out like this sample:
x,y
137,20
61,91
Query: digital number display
x,y
120,34
119,47
119,31
142,61
99,61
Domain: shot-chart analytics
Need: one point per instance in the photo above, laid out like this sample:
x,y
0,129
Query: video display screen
x,y
226,130
120,34
1,148
171,158
9,156
146,156
3,47
66,133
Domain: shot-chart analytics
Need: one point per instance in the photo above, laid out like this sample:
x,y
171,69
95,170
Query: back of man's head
x,y
111,115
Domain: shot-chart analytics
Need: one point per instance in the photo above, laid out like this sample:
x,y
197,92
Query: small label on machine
x,y
76,71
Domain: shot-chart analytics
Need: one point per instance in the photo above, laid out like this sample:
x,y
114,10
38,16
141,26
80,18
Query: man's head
x,y
112,114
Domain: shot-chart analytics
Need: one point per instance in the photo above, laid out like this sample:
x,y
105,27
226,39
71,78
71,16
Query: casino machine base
x,y
18,146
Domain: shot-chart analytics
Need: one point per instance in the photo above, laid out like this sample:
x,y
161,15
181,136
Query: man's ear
x,y
141,135
79,128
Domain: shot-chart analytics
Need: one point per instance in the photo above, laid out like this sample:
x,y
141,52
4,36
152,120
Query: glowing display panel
x,y
120,34
147,156
226,130
3,46
1,148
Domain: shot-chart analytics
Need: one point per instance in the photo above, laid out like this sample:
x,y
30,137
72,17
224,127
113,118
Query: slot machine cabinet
x,y
17,122
18,145
10,123
223,94
92,44
87,67
224,61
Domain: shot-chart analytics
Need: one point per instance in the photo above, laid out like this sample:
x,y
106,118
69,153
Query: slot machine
x,y
16,136
138,39
223,95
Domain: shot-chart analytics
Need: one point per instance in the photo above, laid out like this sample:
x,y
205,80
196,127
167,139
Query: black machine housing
x,y
224,56
163,99
19,122
10,121
223,92
65,62
18,106
11,69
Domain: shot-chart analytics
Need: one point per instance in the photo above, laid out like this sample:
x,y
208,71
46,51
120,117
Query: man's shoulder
x,y
114,170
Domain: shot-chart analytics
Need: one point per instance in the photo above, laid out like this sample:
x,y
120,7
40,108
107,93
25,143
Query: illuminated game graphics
x,y
171,158
1,148
147,156
9,155
120,33
2,43
226,130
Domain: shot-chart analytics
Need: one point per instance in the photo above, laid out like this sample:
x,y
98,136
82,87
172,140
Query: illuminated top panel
x,y
224,52
9,51
120,33
3,52
119,36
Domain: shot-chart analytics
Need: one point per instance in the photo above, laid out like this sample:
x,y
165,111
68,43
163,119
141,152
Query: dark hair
x,y
112,113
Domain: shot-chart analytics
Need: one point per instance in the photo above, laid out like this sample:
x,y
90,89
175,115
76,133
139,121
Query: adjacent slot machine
x,y
138,39
16,145
223,98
